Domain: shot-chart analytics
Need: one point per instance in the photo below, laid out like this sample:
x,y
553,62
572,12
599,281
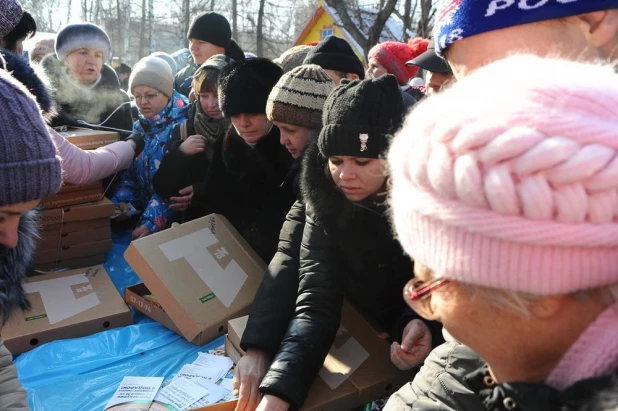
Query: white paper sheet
x,y
134,394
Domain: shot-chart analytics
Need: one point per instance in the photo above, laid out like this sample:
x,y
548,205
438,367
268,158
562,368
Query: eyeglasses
x,y
417,293
146,97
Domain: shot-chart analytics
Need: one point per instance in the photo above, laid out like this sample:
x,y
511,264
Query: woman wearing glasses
x,y
85,88
348,250
510,212
161,109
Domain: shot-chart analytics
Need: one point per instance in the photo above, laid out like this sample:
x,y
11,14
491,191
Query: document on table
x,y
178,395
215,362
134,394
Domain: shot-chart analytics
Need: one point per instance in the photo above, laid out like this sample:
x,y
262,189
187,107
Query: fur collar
x,y
241,159
328,205
14,264
26,75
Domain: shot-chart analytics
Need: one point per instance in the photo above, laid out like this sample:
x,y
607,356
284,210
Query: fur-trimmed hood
x,y
14,264
328,205
30,78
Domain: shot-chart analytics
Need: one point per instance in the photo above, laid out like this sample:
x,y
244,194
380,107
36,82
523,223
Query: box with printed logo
x,y
87,139
67,304
357,370
201,273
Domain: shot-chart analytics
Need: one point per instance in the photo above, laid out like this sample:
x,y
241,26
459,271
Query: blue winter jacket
x,y
136,183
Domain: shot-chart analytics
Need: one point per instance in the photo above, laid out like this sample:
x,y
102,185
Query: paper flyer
x,y
203,374
134,394
215,395
178,395
214,362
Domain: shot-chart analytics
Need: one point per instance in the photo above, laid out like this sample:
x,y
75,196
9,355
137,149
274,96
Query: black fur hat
x,y
244,86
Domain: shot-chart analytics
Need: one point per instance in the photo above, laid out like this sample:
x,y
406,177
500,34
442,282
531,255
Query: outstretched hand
x,y
183,201
414,348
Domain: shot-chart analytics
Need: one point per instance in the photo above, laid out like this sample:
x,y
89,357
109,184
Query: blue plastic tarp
x,y
82,374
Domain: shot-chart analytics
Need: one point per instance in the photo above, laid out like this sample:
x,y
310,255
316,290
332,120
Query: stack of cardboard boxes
x,y
76,221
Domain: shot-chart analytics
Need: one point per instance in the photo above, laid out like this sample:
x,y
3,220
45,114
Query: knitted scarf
x,y
208,126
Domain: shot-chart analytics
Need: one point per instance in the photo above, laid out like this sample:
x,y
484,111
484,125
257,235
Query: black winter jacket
x,y
248,186
347,249
93,106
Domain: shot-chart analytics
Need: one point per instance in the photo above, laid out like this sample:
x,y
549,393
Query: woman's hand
x,y
182,202
272,403
415,346
193,145
141,231
248,375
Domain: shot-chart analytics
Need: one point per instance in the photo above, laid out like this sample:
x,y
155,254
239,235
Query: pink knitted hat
x,y
516,187
393,56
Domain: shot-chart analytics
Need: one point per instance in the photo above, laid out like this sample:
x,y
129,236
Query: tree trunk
x,y
424,23
212,5
375,31
69,7
260,30
342,10
142,30
235,19
150,26
186,10
407,19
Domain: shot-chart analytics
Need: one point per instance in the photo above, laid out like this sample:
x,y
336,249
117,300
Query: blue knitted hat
x,y
460,19
29,167
82,35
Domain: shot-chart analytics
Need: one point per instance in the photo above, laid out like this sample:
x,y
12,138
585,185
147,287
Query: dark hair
x,y
25,29
205,80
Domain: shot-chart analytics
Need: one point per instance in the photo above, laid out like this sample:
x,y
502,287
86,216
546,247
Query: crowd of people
x,y
487,194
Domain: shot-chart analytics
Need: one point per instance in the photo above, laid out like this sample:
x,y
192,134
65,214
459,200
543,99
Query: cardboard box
x,y
87,139
68,187
75,227
100,209
73,198
72,263
73,251
66,305
357,371
232,351
134,296
202,272
53,242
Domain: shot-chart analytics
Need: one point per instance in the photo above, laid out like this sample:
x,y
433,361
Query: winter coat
x,y
440,385
136,185
14,263
248,186
347,249
275,301
184,79
179,170
104,105
78,166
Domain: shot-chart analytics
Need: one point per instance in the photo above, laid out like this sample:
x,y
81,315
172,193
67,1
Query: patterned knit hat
x,y
10,16
360,116
516,189
298,97
82,35
29,167
153,72
464,18
292,58
393,55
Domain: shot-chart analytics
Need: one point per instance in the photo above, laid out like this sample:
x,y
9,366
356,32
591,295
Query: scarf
x,y
208,126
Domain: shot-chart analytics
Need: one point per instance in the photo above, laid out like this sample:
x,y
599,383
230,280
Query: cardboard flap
x,y
201,272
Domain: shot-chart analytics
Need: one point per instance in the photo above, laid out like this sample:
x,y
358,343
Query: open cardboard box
x,y
357,371
202,273
87,139
92,211
69,304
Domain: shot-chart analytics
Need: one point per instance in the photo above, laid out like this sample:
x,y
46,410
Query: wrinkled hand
x,y
272,403
248,375
141,231
415,346
182,202
193,144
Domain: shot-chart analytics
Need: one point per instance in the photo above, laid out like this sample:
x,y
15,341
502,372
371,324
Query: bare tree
x,y
424,26
235,19
358,33
260,30
186,18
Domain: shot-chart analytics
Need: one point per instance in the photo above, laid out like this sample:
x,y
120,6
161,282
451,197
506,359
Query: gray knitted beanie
x,y
10,16
29,167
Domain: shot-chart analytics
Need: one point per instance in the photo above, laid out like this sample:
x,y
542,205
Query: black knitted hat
x,y
234,51
211,27
334,53
360,116
244,86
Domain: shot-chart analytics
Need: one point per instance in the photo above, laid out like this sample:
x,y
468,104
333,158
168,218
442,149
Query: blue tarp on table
x,y
82,374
